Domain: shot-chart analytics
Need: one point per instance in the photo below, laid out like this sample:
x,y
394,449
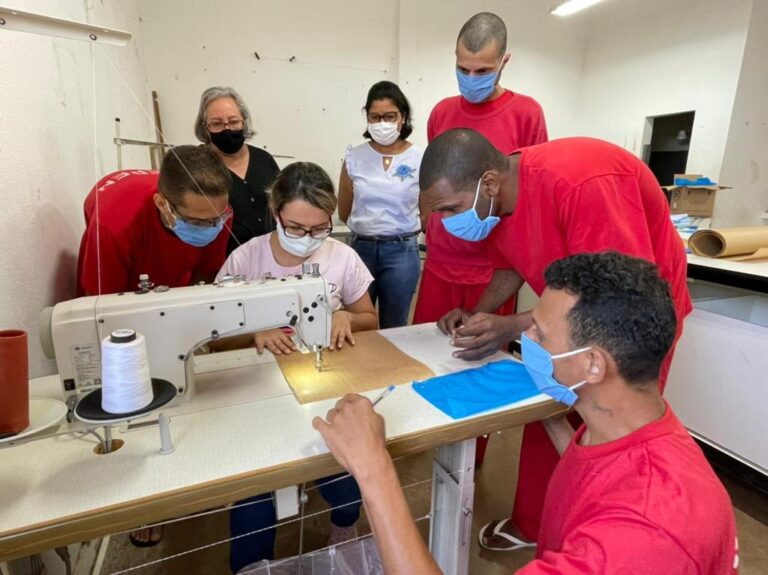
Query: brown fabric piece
x,y
372,363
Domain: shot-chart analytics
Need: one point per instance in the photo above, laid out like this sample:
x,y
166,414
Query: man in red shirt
x,y
167,225
633,493
556,199
456,272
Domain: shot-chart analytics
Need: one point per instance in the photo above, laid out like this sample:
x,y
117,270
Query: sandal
x,y
151,542
516,542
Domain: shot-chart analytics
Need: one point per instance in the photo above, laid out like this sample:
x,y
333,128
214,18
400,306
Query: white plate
x,y
43,413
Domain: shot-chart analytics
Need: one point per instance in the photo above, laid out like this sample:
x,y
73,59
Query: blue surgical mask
x,y
197,236
468,225
541,368
476,89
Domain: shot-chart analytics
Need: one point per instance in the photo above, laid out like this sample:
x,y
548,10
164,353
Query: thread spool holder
x,y
89,410
164,427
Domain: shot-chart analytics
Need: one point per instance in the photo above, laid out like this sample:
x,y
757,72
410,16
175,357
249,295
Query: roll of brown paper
x,y
725,242
14,382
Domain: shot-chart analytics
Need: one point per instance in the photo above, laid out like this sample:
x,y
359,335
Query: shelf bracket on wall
x,y
20,21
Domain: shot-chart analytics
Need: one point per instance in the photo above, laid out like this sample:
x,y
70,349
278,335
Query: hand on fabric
x,y
275,340
483,334
453,319
354,433
341,329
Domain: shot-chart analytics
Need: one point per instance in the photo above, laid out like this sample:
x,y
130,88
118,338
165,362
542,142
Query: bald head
x,y
482,29
460,157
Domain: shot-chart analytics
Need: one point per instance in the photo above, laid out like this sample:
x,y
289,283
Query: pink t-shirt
x,y
346,274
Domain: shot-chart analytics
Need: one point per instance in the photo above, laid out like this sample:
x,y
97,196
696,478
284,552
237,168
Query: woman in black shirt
x,y
224,123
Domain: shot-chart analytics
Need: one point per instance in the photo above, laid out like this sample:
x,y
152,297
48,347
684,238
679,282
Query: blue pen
x,y
384,394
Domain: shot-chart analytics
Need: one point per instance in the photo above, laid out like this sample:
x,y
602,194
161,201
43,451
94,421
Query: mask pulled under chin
x,y
299,247
228,141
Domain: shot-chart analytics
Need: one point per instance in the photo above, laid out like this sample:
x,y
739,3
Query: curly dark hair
x,y
623,306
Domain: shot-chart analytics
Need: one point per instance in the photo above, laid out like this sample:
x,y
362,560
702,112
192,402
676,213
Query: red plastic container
x,y
14,382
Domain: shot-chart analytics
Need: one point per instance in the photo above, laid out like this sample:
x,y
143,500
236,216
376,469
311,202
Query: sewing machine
x,y
178,321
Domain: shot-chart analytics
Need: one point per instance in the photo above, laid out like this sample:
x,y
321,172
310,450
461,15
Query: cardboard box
x,y
698,201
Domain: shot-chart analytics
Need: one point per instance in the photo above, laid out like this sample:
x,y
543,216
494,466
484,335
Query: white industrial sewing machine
x,y
177,321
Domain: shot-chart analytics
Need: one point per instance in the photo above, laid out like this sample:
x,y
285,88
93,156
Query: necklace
x,y
387,162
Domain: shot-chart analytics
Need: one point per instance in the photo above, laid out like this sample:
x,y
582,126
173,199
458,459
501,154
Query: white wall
x,y
745,164
47,155
654,57
309,108
546,56
600,73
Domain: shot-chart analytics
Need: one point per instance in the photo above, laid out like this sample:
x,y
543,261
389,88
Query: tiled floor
x,y
495,484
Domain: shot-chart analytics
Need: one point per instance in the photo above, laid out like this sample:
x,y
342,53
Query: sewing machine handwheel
x,y
89,409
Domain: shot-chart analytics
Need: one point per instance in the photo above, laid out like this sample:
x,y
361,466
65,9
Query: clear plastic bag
x,y
359,557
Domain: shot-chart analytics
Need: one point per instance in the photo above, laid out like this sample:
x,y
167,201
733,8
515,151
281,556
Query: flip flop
x,y
149,543
517,543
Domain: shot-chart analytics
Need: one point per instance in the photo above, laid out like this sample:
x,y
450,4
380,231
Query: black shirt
x,y
248,198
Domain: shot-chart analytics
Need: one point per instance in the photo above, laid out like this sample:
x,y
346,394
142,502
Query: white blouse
x,y
386,202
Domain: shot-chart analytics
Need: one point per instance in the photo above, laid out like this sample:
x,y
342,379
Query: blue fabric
x,y
261,515
696,182
472,391
395,268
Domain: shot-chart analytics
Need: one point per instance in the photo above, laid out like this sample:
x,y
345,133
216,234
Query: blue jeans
x,y
260,515
395,267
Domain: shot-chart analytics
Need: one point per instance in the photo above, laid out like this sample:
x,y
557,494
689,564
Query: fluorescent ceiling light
x,y
572,6
11,19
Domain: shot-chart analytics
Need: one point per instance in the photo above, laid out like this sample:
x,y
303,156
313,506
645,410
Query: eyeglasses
x,y
211,223
389,117
215,126
296,232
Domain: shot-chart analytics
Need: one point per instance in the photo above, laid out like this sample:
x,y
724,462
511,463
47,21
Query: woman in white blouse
x,y
379,201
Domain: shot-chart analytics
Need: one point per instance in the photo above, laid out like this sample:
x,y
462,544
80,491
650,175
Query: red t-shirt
x,y
646,503
134,241
579,195
510,122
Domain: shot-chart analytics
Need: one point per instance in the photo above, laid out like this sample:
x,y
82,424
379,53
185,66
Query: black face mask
x,y
228,141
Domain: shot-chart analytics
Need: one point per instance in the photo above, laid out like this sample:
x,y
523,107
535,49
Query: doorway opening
x,y
666,142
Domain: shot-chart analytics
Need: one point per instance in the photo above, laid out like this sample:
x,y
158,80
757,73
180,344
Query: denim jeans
x,y
395,267
260,516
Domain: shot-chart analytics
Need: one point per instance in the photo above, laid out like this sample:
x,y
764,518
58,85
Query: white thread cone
x,y
125,382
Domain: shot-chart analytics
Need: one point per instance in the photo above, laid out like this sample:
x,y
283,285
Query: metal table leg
x,y
453,490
